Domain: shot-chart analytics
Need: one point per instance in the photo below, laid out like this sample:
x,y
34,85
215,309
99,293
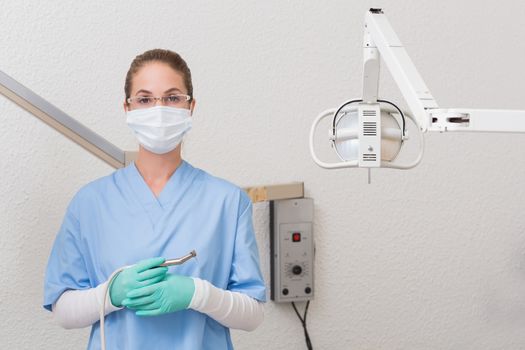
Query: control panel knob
x,y
296,270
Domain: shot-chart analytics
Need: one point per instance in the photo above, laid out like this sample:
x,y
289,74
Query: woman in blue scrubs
x,y
157,207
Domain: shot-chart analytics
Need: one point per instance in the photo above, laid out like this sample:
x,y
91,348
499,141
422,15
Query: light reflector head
x,y
346,140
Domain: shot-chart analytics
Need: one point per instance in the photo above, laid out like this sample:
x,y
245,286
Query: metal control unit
x,y
292,249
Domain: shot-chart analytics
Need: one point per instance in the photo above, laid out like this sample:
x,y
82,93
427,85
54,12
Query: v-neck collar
x,y
170,194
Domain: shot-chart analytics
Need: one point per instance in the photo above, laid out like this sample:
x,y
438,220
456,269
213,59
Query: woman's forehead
x,y
157,77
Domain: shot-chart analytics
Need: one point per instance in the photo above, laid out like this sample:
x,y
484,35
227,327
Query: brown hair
x,y
171,58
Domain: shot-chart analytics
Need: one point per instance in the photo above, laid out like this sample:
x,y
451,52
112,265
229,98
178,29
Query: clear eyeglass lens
x,y
144,101
173,100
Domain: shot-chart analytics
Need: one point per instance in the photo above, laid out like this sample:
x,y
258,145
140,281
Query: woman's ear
x,y
125,105
192,105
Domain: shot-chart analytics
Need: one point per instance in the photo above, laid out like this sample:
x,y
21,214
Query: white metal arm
x,y
380,35
477,120
363,137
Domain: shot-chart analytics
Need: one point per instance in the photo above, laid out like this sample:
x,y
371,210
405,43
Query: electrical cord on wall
x,y
303,322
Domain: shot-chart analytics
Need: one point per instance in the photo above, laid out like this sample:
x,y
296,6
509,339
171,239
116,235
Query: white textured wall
x,y
432,258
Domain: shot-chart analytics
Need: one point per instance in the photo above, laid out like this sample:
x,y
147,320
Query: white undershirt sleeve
x,y
80,308
231,309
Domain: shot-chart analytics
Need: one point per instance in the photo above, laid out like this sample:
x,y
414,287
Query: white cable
x,y
101,311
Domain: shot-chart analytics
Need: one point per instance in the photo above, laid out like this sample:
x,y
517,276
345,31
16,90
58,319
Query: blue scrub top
x,y
117,221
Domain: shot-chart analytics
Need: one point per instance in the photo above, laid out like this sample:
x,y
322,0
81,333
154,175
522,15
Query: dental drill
x,y
169,262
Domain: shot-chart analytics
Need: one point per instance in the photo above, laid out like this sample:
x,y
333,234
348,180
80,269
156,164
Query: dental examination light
x,y
370,132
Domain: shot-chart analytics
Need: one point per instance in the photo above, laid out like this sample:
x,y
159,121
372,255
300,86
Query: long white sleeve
x,y
231,309
80,308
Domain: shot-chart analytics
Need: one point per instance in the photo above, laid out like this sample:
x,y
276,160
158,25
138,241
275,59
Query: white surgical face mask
x,y
159,129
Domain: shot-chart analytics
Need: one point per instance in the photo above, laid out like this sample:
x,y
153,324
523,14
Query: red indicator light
x,y
296,237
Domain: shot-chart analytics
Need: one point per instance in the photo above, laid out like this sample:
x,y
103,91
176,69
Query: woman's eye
x,y
174,99
144,100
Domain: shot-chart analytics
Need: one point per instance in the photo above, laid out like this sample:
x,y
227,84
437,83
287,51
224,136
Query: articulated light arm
x,y
380,35
478,120
366,133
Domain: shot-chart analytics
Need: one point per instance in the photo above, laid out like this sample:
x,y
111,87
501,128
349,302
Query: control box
x,y
292,249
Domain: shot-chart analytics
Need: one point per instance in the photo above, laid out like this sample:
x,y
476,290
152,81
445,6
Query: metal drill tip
x,y
181,260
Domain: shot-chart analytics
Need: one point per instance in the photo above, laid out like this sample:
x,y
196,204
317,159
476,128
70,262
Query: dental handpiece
x,y
169,262
181,260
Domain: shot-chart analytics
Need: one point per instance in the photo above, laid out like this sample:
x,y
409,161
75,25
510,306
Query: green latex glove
x,y
142,274
172,294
